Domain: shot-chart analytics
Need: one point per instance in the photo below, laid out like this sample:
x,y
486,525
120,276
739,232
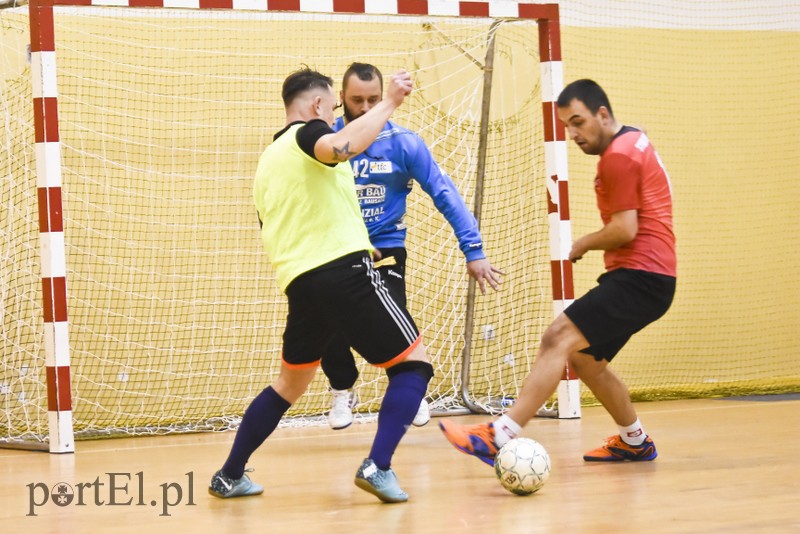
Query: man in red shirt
x,y
634,198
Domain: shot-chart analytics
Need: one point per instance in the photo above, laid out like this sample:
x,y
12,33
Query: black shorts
x,y
393,272
346,296
624,302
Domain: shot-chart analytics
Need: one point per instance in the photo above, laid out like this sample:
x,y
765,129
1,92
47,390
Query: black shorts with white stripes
x,y
347,296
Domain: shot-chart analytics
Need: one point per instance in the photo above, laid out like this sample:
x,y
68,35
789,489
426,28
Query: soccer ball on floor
x,y
522,465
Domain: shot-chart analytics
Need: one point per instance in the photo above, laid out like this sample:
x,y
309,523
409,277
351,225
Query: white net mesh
x,y
175,318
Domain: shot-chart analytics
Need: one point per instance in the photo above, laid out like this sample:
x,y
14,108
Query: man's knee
x,y
585,365
418,353
563,336
293,381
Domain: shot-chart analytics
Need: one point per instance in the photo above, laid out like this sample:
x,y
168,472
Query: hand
x,y
399,87
577,251
376,255
484,272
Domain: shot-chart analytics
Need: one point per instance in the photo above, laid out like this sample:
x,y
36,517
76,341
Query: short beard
x,y
347,115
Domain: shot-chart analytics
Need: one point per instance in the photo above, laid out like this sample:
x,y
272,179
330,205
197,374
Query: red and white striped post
x,y
51,227
569,396
48,161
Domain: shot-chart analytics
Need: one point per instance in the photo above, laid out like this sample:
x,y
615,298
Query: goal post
x,y
51,228
567,404
149,116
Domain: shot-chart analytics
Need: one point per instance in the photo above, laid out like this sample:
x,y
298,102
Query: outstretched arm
x,y
449,202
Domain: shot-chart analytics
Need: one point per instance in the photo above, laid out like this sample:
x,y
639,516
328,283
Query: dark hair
x,y
588,92
301,81
364,71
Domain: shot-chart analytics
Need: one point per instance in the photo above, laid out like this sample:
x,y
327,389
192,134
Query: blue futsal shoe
x,y
381,483
225,487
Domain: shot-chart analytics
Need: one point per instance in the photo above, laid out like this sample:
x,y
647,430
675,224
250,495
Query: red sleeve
x,y
621,179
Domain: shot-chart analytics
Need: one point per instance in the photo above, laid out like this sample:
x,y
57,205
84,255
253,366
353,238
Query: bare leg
x,y
561,339
609,389
293,382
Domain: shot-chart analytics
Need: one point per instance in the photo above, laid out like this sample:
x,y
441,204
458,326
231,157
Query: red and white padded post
x,y
569,397
51,228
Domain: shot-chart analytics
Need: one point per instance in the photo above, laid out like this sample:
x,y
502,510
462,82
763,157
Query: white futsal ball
x,y
522,465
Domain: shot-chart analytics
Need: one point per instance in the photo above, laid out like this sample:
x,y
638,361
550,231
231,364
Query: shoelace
x,y
232,481
619,443
380,476
615,441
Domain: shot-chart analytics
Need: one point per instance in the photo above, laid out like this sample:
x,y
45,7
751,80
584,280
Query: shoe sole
x,y
612,459
341,427
366,486
221,496
618,459
488,461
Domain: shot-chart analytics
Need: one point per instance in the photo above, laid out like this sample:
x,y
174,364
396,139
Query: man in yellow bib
x,y
315,237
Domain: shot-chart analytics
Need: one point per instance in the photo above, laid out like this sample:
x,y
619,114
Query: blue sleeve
x,y
446,198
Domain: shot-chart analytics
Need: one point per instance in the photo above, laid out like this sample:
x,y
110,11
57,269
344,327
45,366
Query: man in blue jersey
x,y
315,238
384,175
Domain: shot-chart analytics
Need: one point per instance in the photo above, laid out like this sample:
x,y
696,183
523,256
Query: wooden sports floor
x,y
724,466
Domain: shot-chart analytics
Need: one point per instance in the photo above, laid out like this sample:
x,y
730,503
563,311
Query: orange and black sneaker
x,y
616,450
475,440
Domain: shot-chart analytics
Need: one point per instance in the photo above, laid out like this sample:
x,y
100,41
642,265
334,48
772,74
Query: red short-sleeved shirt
x,y
630,175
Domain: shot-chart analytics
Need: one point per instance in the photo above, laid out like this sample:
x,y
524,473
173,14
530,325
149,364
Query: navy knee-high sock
x,y
400,405
259,421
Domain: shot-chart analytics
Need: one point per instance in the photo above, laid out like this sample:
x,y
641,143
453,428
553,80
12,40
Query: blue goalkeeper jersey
x,y
384,175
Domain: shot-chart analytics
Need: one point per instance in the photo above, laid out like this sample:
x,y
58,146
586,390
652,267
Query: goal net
x,y
175,319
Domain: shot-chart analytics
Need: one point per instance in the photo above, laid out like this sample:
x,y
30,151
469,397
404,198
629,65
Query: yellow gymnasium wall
x,y
721,107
